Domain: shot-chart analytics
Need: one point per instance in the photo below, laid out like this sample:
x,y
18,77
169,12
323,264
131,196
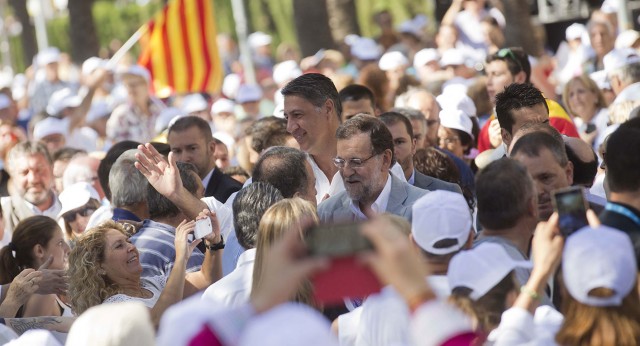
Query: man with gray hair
x,y
83,169
31,170
623,69
128,189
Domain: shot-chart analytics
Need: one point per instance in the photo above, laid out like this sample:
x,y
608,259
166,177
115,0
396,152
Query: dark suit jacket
x,y
403,195
429,183
221,186
625,224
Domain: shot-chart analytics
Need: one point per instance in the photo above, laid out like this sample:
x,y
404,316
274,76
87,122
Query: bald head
x,y
425,102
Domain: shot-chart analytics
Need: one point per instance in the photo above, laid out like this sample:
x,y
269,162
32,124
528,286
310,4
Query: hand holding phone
x,y
203,228
571,206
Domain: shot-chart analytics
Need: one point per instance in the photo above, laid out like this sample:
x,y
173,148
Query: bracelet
x,y
531,293
217,246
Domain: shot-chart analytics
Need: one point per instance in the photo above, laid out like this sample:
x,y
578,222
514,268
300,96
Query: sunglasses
x,y
508,53
70,216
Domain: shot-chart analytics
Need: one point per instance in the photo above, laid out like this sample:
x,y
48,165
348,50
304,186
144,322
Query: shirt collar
x,y
205,180
53,210
123,214
412,178
380,204
248,256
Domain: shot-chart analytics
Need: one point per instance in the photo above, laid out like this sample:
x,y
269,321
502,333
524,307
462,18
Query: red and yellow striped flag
x,y
181,50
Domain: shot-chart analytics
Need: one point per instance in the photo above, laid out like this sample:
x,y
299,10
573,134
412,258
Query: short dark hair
x,y
531,144
315,88
516,59
379,134
357,92
248,207
392,118
159,205
622,160
189,121
503,190
109,159
66,154
584,172
517,96
284,168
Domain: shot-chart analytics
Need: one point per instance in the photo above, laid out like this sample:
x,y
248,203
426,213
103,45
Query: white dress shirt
x,y
234,289
323,185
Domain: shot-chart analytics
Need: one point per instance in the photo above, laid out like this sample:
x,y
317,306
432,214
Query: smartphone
x,y
346,276
571,206
203,228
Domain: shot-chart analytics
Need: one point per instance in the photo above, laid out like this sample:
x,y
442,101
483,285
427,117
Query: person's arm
x,y
19,291
450,16
79,113
164,176
211,270
174,288
50,323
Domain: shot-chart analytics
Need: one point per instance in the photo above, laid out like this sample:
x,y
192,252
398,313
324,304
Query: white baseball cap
x,y
619,58
288,325
425,56
575,31
452,57
48,56
392,60
136,70
363,48
5,101
99,109
248,93
627,38
194,103
600,257
223,106
600,77
441,215
482,268
230,85
61,99
286,71
457,100
50,126
35,337
258,39
92,64
75,196
456,119
166,117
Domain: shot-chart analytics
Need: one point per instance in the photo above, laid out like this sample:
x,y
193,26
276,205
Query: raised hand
x,y
163,175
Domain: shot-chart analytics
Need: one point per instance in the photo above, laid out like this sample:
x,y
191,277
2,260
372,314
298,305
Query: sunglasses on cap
x,y
70,216
507,53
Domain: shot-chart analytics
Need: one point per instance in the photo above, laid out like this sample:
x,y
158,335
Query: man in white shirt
x,y
248,207
31,170
440,229
365,155
312,108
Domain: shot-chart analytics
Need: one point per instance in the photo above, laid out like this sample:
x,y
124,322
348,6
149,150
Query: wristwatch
x,y
217,246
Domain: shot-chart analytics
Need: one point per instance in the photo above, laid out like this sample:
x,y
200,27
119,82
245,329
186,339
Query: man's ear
x,y
413,146
386,158
329,107
569,172
212,147
520,77
506,137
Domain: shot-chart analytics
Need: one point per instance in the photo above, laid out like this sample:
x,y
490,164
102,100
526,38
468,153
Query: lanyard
x,y
616,208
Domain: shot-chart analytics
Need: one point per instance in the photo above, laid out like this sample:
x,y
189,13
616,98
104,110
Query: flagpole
x,y
237,6
127,46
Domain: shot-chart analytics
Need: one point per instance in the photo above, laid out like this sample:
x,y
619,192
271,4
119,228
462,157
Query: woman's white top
x,y
154,284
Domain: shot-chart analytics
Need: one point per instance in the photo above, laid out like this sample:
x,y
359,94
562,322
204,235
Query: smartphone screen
x,y
336,240
572,209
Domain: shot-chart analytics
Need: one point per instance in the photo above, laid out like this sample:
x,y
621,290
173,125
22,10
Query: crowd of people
x,y
138,217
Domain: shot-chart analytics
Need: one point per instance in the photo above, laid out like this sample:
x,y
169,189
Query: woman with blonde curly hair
x,y
105,268
286,215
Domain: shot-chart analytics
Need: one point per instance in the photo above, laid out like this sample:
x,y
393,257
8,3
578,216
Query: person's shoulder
x,y
333,202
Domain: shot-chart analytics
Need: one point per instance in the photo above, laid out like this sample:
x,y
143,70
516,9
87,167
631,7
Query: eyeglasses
x,y
70,216
353,163
508,53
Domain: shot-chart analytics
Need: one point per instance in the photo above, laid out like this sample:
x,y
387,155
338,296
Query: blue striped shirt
x,y
155,242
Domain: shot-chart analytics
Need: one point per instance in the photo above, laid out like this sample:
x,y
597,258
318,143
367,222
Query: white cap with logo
x,y
50,126
456,119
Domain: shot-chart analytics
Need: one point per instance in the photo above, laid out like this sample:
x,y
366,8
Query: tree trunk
x,y
343,18
519,30
312,25
84,39
28,35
